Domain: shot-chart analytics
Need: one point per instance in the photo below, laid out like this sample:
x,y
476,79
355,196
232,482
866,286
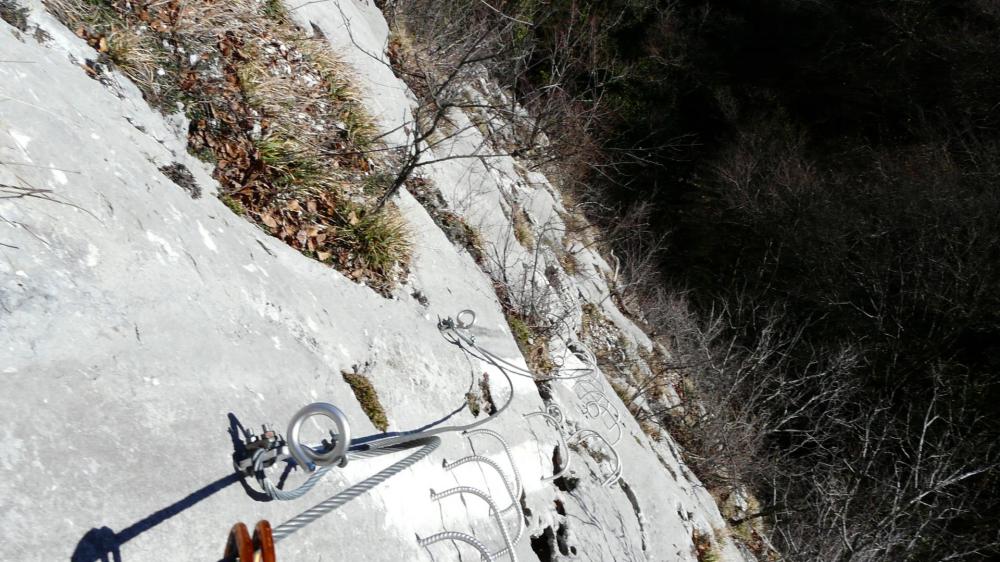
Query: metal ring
x,y
462,324
307,457
556,412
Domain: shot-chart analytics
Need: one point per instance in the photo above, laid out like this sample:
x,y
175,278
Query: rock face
x,y
143,327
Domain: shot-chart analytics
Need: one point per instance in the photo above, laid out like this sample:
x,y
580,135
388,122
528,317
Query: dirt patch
x,y
544,390
562,539
560,507
487,395
180,175
544,545
566,483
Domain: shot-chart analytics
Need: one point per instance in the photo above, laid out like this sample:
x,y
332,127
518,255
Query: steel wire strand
x,y
454,326
426,446
277,493
484,354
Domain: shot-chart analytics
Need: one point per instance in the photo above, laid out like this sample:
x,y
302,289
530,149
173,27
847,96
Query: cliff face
x,y
143,326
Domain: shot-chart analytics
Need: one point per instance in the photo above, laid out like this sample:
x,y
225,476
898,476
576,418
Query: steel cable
x,y
426,446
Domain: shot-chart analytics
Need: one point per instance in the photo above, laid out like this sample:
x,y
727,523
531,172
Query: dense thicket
x,y
829,175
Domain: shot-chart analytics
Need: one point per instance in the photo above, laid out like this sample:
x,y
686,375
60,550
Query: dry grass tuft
x,y
368,398
569,263
472,401
14,14
271,108
522,227
704,548
533,346
379,242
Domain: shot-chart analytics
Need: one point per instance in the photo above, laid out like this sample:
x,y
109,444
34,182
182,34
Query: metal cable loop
x,y
595,401
366,450
465,324
452,326
556,412
284,495
342,450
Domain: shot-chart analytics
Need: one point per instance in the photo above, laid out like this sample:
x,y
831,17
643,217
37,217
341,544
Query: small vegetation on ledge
x,y
272,109
14,14
533,346
522,227
704,549
368,398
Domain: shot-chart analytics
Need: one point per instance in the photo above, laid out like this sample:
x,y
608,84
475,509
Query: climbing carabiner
x,y
241,548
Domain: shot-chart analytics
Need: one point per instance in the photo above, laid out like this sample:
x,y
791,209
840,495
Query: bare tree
x,y
474,71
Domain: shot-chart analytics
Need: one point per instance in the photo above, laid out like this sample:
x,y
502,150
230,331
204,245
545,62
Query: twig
x,y
28,165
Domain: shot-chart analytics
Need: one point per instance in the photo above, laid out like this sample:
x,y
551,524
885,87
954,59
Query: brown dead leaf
x,y
102,45
311,205
352,218
269,221
189,80
323,256
293,206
